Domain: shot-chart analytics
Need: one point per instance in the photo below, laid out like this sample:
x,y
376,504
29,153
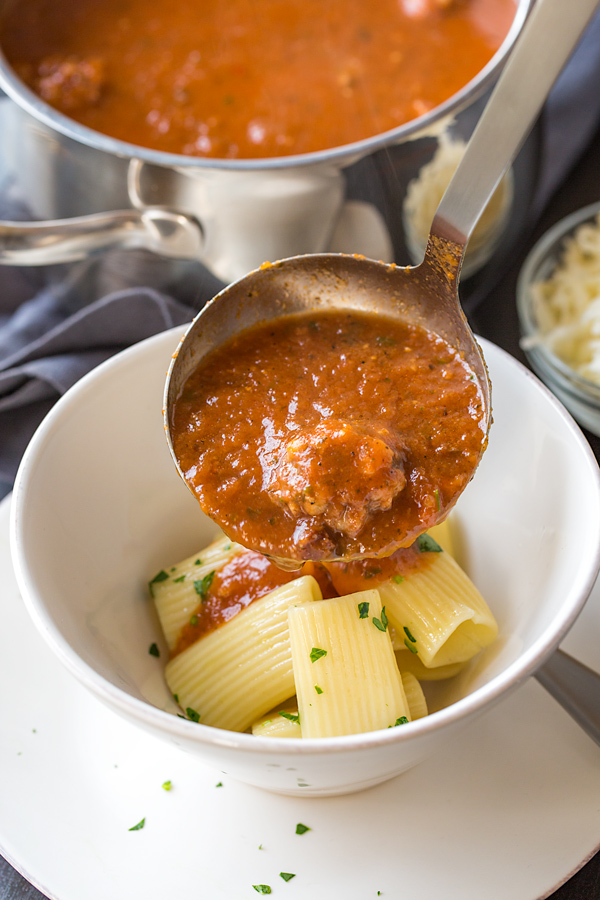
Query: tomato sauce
x,y
249,78
329,435
246,577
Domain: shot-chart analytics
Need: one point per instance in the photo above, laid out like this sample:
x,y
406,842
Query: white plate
x,y
495,817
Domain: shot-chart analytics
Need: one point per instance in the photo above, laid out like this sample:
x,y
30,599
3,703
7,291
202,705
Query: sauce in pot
x,y
249,78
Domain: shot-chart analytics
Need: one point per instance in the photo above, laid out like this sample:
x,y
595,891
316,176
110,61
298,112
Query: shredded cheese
x,y
566,306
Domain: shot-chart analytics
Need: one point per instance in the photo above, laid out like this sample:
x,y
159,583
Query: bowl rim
x,y
167,723
540,354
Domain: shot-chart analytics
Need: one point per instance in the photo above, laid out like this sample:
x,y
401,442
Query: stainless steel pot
x,y
96,192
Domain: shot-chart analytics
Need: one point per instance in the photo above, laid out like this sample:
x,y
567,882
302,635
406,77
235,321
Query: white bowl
x,y
98,508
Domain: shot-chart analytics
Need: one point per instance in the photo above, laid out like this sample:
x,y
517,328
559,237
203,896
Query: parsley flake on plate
x,y
262,888
192,714
166,785
316,653
287,876
153,650
139,825
301,829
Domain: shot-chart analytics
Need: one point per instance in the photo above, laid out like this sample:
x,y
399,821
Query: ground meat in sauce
x,y
305,479
265,431
241,79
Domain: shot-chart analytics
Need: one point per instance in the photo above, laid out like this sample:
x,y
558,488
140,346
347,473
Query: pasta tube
x,y
409,662
345,672
443,616
283,721
175,592
417,704
241,670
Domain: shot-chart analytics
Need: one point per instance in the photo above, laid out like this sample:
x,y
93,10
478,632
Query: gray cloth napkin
x,y
57,323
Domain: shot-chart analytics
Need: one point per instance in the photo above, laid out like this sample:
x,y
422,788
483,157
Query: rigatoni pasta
x,y
238,672
178,591
443,616
301,661
345,672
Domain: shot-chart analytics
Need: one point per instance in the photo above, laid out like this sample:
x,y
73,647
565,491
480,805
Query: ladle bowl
x,y
427,294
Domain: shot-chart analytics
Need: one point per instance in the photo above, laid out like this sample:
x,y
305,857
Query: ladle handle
x,y
576,688
545,44
162,231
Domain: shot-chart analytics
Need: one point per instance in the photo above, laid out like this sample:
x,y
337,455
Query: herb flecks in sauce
x,y
297,424
187,78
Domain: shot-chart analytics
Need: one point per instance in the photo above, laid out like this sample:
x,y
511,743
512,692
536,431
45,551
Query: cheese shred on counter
x,y
567,305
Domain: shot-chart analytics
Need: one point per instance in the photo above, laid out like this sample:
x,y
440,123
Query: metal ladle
x,y
427,294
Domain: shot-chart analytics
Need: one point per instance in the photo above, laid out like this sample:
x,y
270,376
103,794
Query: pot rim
x,y
35,106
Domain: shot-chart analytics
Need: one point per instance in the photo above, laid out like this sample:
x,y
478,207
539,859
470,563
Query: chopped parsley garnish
x,y
198,562
262,888
410,645
301,829
426,544
316,653
202,586
318,689
176,698
398,578
139,825
179,580
162,576
287,876
409,635
363,610
290,716
194,619
219,784
166,785
153,650
192,714
382,623
401,721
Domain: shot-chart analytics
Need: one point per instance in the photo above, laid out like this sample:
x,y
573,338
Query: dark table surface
x,y
495,319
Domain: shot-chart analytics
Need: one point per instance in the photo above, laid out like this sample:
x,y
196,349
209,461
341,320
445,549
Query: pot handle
x,y
159,230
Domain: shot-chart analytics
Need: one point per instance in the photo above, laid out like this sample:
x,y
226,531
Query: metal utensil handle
x,y
576,688
67,240
548,37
